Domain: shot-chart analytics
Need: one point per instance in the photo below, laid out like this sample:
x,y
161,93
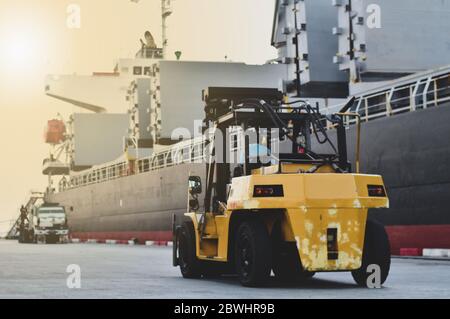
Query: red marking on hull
x,y
411,252
418,237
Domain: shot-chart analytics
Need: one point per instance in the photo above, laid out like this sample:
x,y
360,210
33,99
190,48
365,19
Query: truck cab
x,y
49,223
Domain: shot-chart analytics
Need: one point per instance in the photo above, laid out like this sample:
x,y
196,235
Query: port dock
x,y
44,274
323,165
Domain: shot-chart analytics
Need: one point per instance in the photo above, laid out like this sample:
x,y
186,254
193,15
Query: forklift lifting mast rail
x,y
307,213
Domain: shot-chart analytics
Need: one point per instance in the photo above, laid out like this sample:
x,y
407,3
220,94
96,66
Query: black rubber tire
x,y
21,240
26,237
253,253
305,275
286,263
211,269
190,266
376,251
51,240
31,237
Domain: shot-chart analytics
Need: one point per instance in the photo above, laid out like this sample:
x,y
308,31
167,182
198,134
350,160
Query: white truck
x,y
50,224
46,223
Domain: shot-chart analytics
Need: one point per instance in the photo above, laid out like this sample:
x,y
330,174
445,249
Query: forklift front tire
x,y
189,264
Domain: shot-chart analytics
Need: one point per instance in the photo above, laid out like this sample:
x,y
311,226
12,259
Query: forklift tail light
x,y
268,191
376,190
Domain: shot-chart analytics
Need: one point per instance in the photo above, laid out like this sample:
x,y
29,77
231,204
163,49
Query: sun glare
x,y
22,46
20,50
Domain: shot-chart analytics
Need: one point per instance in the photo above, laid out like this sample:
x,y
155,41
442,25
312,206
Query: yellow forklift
x,y
279,206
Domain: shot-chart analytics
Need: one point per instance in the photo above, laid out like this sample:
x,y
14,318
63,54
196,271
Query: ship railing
x,y
96,175
185,152
192,151
430,91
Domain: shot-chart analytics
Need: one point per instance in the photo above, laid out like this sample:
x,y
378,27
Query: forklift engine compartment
x,y
296,214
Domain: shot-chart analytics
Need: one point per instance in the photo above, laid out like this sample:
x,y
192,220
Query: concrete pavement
x,y
40,271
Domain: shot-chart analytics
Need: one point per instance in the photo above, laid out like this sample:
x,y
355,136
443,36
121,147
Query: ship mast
x,y
166,11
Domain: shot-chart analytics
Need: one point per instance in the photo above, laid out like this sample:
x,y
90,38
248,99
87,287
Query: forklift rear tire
x,y
253,253
305,275
376,252
286,262
189,264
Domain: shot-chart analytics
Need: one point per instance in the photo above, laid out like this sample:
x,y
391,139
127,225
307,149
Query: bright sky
x,y
35,41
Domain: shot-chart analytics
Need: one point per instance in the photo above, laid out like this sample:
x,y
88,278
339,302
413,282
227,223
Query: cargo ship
x,y
126,167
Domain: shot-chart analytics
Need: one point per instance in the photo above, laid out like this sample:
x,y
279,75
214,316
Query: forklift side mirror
x,y
195,184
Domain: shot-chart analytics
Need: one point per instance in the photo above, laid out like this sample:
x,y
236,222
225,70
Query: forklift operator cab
x,y
301,214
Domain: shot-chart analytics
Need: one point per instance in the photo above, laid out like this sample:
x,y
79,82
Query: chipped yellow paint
x,y
345,238
305,246
309,227
332,212
297,241
356,248
251,204
313,250
357,204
